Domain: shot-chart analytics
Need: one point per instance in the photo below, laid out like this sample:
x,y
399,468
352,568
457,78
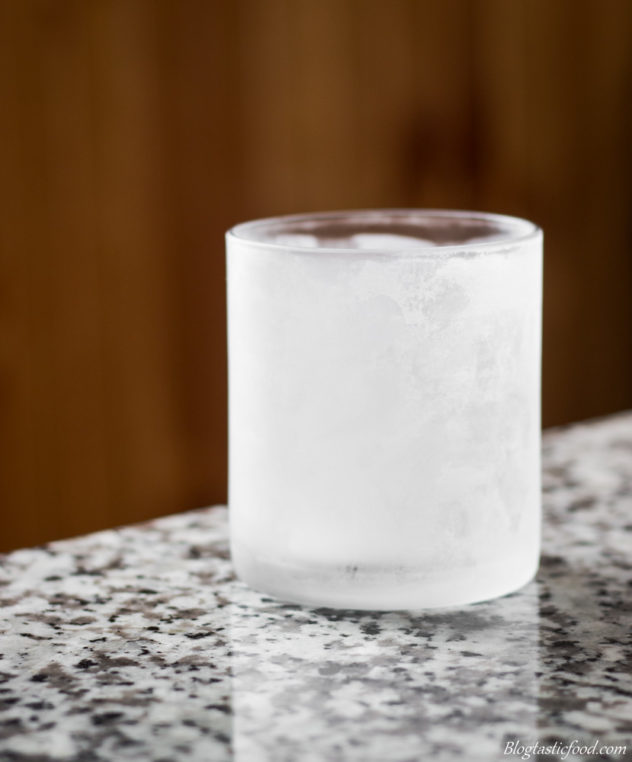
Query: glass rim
x,y
520,231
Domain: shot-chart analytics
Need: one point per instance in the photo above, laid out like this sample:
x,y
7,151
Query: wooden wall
x,y
134,132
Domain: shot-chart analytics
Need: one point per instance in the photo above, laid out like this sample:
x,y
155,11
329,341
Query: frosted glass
x,y
384,407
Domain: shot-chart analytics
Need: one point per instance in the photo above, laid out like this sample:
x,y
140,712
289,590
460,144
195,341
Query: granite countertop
x,y
139,644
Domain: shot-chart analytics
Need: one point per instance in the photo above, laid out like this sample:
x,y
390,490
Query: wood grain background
x,y
133,133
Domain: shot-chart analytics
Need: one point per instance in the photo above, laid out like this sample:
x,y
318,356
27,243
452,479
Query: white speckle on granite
x,y
138,644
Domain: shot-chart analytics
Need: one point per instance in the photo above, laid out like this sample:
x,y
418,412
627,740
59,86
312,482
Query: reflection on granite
x,y
139,644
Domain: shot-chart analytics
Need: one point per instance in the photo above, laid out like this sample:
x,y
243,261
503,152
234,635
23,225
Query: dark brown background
x,y
134,133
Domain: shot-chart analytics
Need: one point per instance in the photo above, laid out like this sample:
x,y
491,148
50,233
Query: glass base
x,y
383,588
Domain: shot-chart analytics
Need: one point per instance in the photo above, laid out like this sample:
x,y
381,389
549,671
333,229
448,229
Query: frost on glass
x,y
384,408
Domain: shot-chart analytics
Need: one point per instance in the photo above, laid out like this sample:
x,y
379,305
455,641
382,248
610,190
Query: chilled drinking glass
x,y
384,406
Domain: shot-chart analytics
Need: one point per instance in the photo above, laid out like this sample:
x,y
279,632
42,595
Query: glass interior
x,y
386,230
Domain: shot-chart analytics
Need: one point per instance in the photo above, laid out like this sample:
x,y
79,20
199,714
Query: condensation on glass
x,y
384,406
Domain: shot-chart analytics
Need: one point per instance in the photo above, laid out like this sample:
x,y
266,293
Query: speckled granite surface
x,y
139,644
